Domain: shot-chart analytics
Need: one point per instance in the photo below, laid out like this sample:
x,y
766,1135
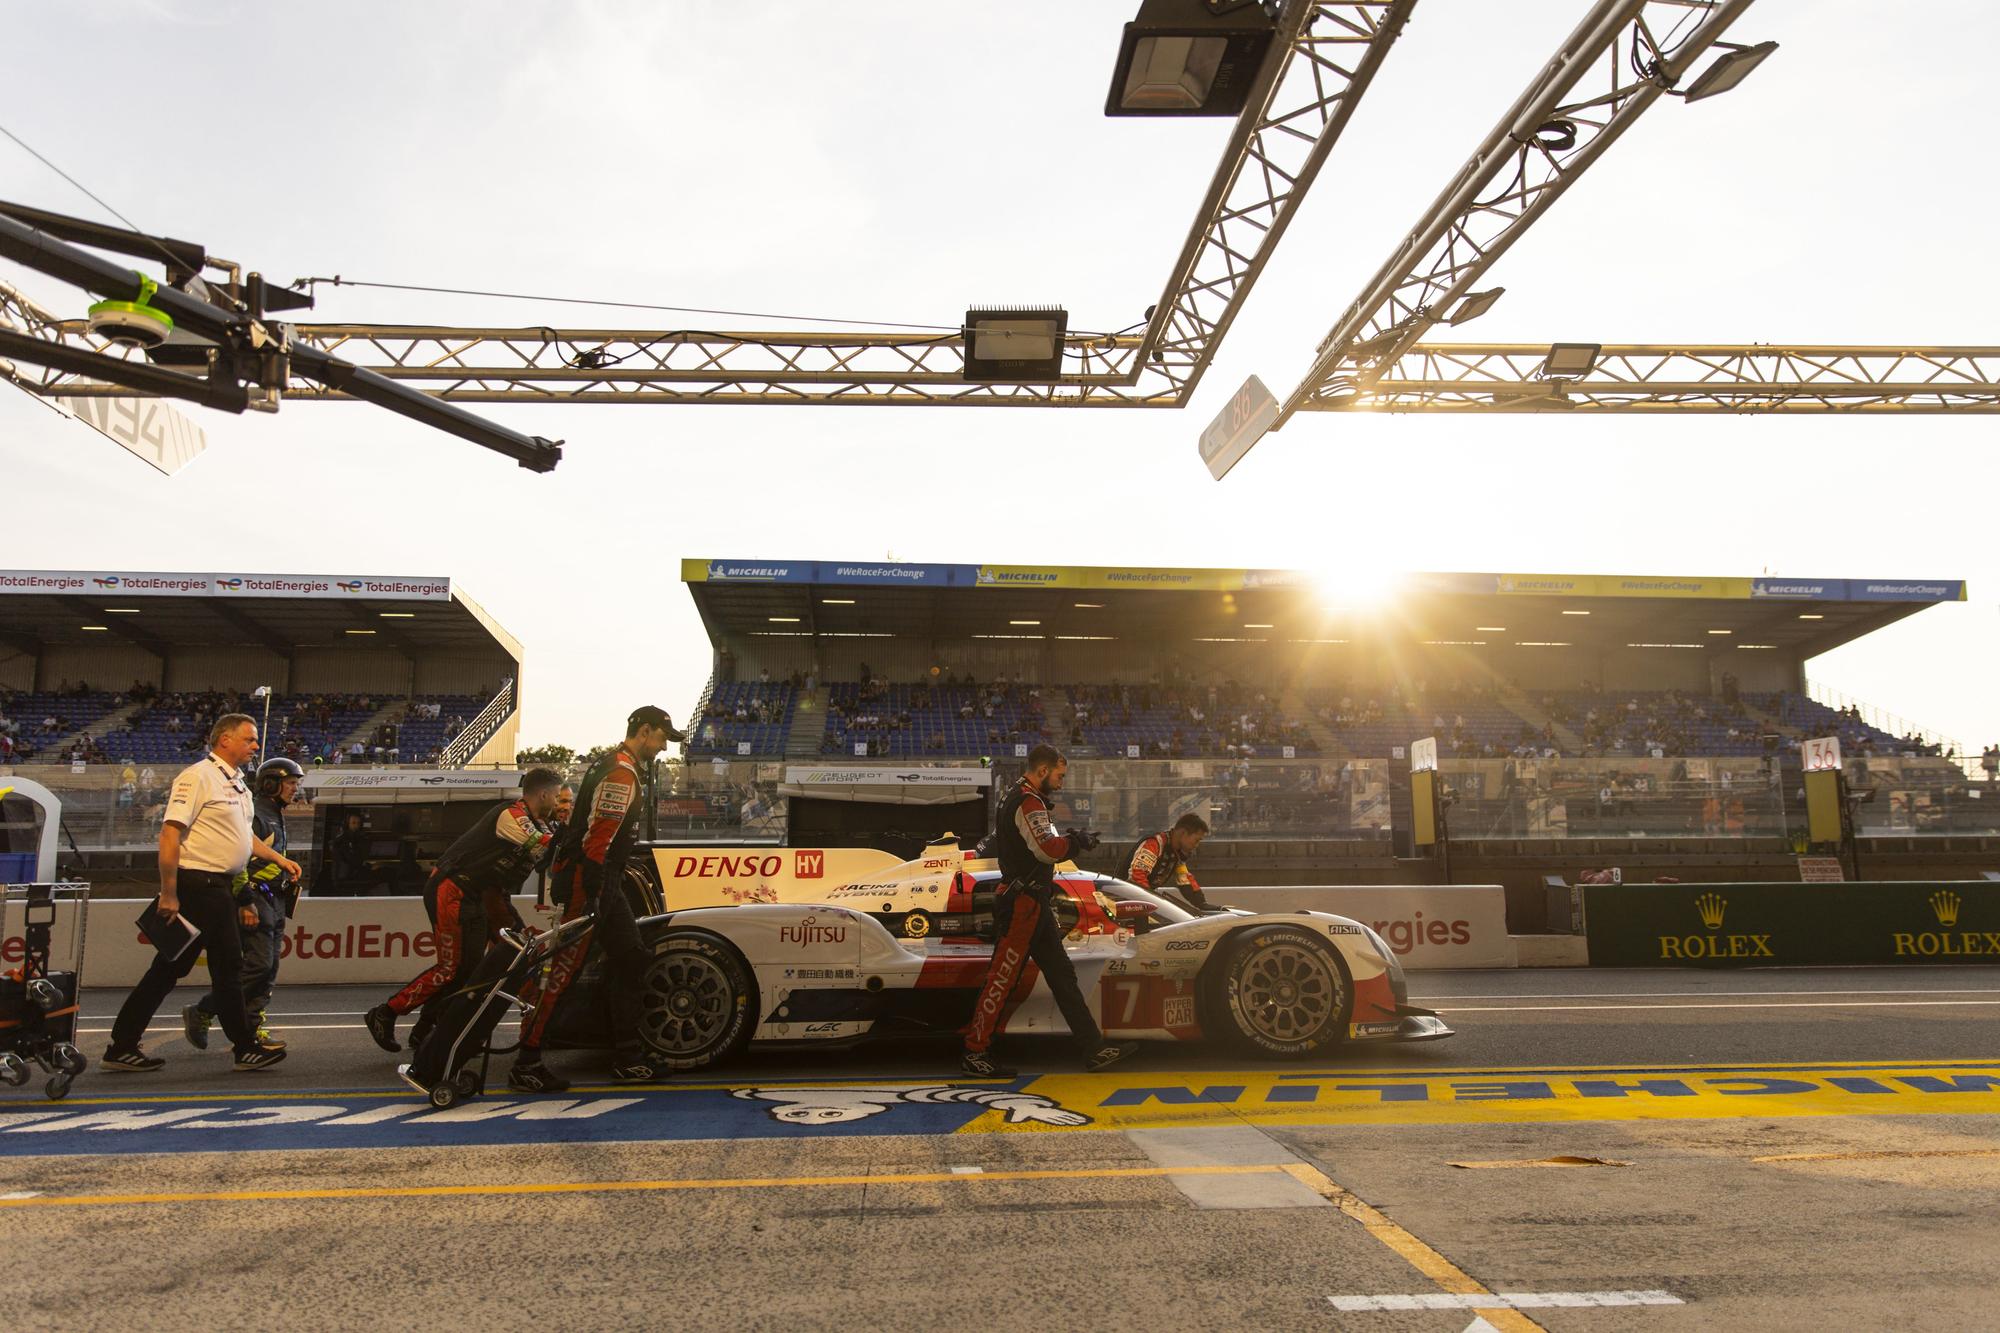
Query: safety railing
x,y
480,729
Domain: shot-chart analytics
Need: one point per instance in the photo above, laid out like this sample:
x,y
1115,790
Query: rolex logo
x,y
1945,903
1711,906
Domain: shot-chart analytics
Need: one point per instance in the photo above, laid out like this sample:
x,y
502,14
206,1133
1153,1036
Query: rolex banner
x,y
1792,925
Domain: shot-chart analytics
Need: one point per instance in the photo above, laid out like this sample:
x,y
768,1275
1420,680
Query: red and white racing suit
x,y
1157,866
1024,924
584,878
468,895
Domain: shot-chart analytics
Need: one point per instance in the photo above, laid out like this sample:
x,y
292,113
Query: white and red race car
x,y
805,945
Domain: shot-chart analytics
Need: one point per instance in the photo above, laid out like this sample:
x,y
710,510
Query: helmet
x,y
272,773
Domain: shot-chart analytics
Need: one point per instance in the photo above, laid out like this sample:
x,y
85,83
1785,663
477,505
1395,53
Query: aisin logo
x,y
1946,903
1711,906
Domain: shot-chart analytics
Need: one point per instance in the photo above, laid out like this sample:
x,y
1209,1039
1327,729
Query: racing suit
x,y
588,876
265,887
1024,924
1158,867
469,897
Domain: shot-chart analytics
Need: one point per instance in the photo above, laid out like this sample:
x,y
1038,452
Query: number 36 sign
x,y
1822,753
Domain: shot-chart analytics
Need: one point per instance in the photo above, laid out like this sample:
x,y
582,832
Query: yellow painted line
x,y
630,1186
1875,1156
1410,1249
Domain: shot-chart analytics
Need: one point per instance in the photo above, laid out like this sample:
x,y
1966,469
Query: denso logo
x,y
811,865
809,931
728,867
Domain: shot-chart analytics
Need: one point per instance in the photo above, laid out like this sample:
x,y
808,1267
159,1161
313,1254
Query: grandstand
x,y
109,680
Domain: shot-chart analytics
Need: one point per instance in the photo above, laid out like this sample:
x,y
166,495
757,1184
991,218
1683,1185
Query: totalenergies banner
x,y
127,583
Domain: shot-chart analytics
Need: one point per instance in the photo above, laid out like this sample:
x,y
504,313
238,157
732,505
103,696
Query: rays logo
x,y
1711,906
1946,904
356,586
234,585
109,581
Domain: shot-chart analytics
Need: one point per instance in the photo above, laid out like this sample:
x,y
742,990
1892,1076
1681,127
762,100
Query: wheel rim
x,y
1287,992
686,1005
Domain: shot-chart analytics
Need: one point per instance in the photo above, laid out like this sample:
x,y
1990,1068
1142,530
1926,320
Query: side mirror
x,y
1131,912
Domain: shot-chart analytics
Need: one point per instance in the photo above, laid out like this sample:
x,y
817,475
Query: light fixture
x,y
836,601
1454,643
1014,343
783,620
1569,361
1088,606
1730,68
1490,629
1537,643
121,610
397,615
1182,58
1811,615
1024,622
95,629
1474,305
1722,631
1086,638
1666,645
361,631
1010,636
1576,613
1260,626
1756,645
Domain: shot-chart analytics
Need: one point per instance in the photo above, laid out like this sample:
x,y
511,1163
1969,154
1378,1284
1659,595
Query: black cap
x,y
649,715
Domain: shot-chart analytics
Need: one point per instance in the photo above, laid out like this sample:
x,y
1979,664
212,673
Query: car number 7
x,y
1128,991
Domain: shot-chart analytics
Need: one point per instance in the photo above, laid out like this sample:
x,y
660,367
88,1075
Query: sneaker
x,y
264,1037
634,1071
981,1065
195,1025
381,1021
536,1077
131,1060
252,1058
1109,1054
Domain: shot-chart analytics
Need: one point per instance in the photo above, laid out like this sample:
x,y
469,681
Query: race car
x,y
822,945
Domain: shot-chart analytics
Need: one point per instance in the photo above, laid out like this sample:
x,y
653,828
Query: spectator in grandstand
x,y
1989,760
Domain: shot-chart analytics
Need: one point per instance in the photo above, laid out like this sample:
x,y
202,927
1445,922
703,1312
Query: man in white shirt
x,y
205,842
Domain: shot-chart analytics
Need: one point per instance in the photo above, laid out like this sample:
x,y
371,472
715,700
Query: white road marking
x,y
1502,1300
968,1171
1789,1004
1228,1145
22,1194
1479,1325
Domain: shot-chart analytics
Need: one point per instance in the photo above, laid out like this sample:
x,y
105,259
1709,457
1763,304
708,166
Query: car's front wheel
x,y
1278,991
698,1002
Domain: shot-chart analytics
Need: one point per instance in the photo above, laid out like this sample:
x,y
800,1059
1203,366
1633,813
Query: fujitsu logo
x,y
809,931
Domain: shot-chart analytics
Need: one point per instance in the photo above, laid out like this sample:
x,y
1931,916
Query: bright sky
x,y
898,161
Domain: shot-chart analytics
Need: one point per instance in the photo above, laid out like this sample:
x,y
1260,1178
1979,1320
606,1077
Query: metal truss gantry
x,y
1624,56
1328,53
1474,377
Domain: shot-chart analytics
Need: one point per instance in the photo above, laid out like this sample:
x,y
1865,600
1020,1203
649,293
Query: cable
x,y
337,281
94,196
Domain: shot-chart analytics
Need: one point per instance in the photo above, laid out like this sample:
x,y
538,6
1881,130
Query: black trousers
x,y
617,930
207,902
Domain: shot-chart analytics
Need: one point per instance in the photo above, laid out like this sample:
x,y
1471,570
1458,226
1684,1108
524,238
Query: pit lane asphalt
x,y
1868,1220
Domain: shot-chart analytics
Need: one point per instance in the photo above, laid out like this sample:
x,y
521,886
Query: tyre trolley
x,y
38,998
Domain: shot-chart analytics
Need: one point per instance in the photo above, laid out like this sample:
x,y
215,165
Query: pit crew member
x,y
469,897
266,893
1024,922
1160,863
614,808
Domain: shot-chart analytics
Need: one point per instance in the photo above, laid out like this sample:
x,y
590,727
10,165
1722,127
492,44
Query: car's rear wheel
x,y
697,1003
1278,991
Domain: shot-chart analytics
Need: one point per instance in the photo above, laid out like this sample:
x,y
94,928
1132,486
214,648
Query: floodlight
x,y
1184,58
1729,69
1474,305
1026,343
1568,361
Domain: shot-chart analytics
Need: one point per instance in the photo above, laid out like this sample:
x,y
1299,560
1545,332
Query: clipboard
x,y
172,935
